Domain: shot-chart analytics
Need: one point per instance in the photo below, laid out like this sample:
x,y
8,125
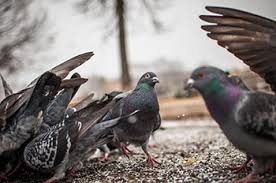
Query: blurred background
x,y
128,38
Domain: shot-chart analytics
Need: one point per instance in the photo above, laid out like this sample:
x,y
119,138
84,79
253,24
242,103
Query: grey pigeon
x,y
14,105
22,125
42,93
137,131
250,37
247,118
49,151
107,148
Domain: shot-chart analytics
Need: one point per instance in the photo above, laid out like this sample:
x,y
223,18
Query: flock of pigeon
x,y
39,128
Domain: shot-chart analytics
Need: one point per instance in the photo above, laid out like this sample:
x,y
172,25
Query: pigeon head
x,y
149,78
208,79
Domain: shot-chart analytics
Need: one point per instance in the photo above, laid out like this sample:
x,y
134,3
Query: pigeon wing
x,y
249,37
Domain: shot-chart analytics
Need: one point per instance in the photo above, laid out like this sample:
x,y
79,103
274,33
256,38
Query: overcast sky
x,y
184,40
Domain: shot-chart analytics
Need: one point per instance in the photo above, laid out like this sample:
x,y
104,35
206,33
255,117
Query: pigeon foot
x,y
151,161
72,172
125,150
103,158
243,167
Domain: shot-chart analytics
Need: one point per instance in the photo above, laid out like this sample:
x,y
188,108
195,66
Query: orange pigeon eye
x,y
200,75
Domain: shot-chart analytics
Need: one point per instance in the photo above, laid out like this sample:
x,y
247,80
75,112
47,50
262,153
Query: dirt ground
x,y
191,151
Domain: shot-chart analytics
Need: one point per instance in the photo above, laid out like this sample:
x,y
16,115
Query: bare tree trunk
x,y
125,76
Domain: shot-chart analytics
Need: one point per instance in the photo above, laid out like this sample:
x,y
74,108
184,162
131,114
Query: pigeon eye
x,y
147,76
200,75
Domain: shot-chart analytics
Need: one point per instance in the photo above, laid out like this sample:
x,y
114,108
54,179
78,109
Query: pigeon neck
x,y
222,102
144,86
214,87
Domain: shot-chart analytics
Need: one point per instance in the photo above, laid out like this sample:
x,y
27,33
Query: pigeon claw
x,y
103,158
125,150
240,169
151,161
243,167
72,172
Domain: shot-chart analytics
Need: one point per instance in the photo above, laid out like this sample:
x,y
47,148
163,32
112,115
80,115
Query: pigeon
x,y
49,151
7,89
250,37
42,93
14,107
246,118
22,125
111,146
137,130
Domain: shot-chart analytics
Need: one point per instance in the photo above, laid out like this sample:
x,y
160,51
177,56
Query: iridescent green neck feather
x,y
215,86
145,86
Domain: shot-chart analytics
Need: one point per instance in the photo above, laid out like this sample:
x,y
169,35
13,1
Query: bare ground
x,y
194,151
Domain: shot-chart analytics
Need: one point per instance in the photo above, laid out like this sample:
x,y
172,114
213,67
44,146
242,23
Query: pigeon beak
x,y
189,84
155,80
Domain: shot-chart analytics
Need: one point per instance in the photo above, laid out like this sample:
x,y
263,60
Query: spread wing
x,y
13,102
249,37
63,69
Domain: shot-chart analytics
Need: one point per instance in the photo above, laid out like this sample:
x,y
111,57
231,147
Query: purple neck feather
x,y
221,104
